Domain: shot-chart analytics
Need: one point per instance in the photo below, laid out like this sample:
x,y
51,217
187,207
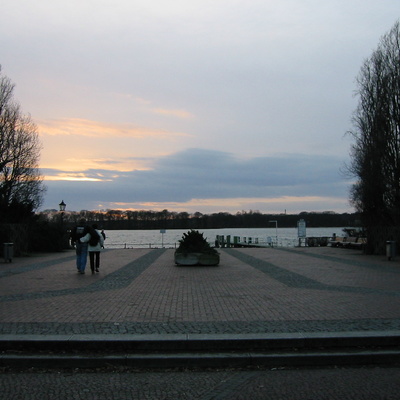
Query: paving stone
x,y
142,291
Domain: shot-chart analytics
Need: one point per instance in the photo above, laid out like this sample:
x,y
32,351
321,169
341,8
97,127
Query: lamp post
x,y
276,230
62,206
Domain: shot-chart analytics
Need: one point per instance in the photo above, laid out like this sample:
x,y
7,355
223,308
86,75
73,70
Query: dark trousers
x,y
94,256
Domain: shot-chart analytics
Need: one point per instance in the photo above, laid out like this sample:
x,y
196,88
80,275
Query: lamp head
x,y
62,206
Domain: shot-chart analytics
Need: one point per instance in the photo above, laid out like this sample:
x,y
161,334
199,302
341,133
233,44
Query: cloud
x,y
274,205
173,113
205,176
84,127
193,103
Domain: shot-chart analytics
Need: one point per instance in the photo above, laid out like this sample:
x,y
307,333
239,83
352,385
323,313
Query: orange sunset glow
x,y
192,106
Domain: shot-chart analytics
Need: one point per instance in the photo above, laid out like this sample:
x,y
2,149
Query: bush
x,y
48,237
35,236
194,242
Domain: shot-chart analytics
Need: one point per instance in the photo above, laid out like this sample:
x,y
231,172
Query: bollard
x,y
390,249
8,249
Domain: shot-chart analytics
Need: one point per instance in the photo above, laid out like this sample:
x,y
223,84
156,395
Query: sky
x,y
198,106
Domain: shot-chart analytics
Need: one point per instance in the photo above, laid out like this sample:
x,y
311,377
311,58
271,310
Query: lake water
x,y
170,239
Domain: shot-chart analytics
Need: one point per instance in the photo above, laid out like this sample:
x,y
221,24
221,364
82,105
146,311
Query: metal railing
x,y
140,245
224,242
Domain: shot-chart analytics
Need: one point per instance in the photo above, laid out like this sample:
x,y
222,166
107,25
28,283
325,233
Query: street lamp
x,y
62,206
276,230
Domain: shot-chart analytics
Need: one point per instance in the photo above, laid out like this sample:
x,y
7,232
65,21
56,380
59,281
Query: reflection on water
x,y
170,239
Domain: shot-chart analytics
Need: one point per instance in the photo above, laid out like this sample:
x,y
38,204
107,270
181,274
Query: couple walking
x,y
87,239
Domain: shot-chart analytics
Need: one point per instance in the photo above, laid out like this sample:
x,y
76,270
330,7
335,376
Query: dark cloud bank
x,y
205,174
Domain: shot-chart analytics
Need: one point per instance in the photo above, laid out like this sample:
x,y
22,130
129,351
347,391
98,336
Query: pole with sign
x,y
162,231
301,230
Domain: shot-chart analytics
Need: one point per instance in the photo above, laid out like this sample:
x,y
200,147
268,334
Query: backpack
x,y
78,232
94,238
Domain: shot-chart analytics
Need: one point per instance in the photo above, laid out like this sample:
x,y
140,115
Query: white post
x,y
276,230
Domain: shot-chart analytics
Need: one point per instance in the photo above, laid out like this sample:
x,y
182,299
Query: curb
x,y
200,351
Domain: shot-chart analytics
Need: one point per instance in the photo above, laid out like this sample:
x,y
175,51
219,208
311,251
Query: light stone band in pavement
x,y
252,291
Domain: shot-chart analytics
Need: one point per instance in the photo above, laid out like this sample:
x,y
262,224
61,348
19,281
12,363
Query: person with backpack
x,y
95,242
81,249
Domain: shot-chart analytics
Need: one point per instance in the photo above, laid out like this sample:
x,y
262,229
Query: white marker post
x,y
162,231
301,230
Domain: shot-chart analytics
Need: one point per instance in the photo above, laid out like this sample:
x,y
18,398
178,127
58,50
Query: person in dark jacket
x,y
81,248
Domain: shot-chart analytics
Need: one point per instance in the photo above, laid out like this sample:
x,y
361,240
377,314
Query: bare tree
x,y
376,150
21,185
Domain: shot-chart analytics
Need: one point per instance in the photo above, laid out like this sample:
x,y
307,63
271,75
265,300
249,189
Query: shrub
x,y
194,242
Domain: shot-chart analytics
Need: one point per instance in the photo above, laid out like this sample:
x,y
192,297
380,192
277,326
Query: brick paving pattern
x,y
141,291
321,384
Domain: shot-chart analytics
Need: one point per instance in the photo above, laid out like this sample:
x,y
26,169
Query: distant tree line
x,y
134,220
